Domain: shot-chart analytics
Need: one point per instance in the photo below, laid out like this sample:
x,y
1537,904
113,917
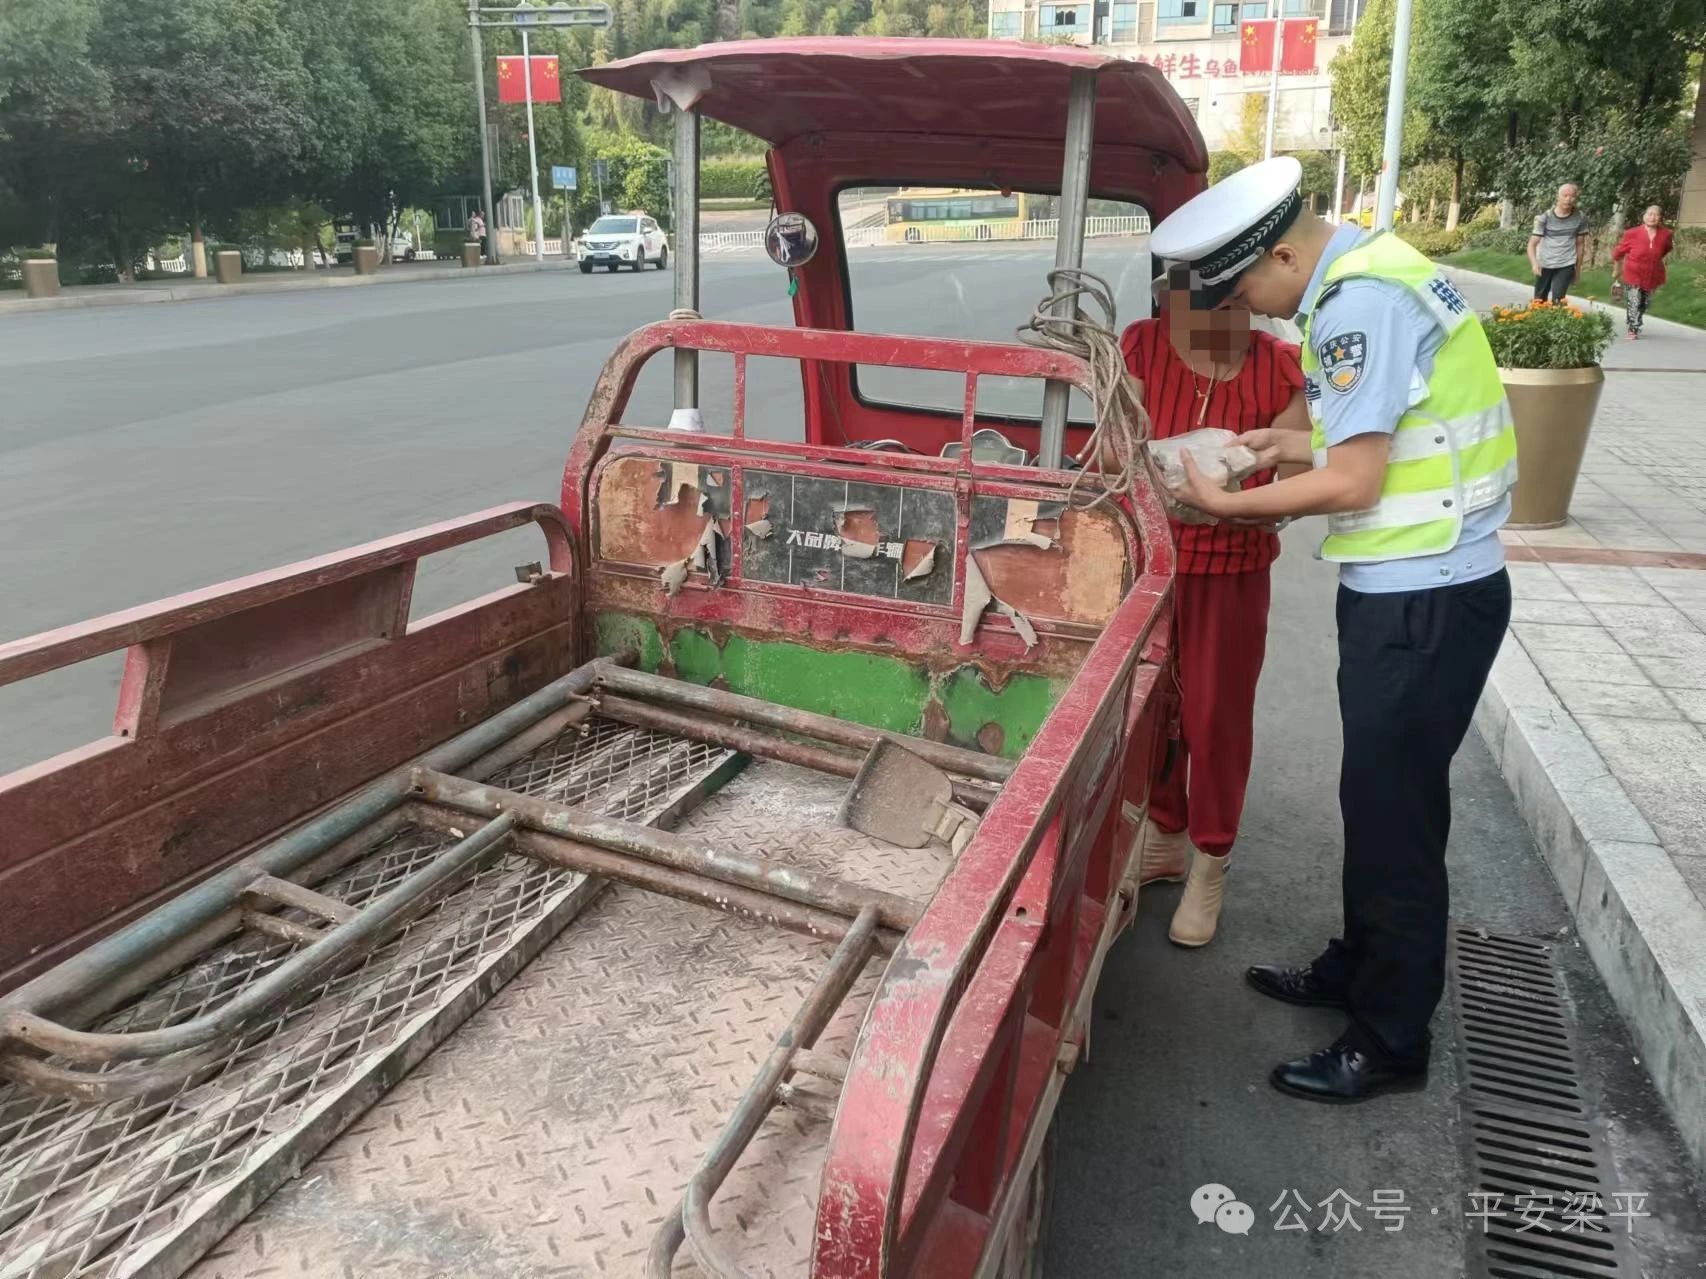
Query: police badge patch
x,y
1342,360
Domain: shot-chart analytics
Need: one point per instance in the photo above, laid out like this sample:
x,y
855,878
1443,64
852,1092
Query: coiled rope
x,y
1121,424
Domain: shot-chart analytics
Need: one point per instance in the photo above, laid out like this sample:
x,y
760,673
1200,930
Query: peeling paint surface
x,y
884,692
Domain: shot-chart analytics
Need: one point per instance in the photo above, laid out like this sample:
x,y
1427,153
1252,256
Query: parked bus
x,y
934,214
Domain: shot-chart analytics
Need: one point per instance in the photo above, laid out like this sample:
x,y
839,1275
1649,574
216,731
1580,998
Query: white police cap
x,y
1223,232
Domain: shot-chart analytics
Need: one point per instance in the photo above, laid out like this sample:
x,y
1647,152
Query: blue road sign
x,y
564,177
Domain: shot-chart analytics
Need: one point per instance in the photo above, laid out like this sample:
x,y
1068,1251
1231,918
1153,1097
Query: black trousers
x,y
1411,669
1554,282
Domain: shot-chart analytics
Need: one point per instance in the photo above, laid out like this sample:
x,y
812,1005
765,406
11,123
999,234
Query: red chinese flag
x,y
1297,51
1256,45
512,79
512,82
547,88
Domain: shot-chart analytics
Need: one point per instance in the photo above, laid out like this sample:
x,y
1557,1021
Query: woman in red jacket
x,y
1202,366
1638,262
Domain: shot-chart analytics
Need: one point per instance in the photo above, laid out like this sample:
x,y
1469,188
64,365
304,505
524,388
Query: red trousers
x,y
1221,635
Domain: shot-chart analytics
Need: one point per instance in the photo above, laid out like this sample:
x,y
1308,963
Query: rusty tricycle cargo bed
x,y
723,895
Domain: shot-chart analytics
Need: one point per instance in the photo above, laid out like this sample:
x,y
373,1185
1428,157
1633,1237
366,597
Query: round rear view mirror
x,y
790,240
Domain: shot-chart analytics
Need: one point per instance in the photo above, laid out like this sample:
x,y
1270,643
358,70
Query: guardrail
x,y
865,237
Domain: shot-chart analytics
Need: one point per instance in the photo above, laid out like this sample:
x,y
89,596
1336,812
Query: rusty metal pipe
x,y
765,745
84,974
677,852
827,728
809,1061
591,860
109,995
315,963
692,1220
525,743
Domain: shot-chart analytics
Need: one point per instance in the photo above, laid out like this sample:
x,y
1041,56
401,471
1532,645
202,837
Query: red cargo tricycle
x,y
726,894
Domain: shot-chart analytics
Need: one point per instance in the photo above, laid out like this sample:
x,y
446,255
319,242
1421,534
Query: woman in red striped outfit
x,y
1203,366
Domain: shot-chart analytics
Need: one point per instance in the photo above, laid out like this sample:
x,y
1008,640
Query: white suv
x,y
622,239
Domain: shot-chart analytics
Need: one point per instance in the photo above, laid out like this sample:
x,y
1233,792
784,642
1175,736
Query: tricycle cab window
x,y
981,257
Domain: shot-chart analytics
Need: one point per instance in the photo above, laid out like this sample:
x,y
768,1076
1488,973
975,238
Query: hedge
x,y
729,179
1690,245
1511,240
1433,241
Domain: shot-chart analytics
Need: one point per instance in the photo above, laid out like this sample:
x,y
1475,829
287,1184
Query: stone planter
x,y
470,253
366,258
1553,410
228,266
41,277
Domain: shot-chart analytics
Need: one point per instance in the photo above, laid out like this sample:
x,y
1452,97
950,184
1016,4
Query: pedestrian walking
x,y
1638,265
1205,367
1556,246
477,230
1413,457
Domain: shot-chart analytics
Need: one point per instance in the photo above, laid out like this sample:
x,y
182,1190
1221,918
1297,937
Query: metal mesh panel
x,y
94,1190
611,768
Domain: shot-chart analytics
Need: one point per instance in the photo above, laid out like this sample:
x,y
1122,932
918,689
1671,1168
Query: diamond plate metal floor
x,y
555,1131
145,1186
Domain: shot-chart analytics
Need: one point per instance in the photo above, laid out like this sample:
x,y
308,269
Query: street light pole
x,y
1273,81
490,210
533,154
522,16
1386,198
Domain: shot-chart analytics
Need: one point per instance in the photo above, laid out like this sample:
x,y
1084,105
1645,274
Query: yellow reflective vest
x,y
1453,453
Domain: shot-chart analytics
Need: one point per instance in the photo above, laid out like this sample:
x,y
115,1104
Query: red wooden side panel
x,y
248,705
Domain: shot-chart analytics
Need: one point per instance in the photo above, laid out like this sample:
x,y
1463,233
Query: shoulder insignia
x,y
1342,360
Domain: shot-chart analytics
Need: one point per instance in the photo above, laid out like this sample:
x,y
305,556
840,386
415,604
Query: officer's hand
x,y
1276,447
1197,491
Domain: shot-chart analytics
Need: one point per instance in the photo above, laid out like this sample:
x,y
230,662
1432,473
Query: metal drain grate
x,y
1544,1200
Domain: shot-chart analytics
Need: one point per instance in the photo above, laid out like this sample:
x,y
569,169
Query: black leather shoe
x,y
1299,985
1349,1071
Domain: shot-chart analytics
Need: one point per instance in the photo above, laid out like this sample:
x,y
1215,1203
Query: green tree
x,y
924,18
1361,74
392,114
1464,82
215,104
638,178
54,103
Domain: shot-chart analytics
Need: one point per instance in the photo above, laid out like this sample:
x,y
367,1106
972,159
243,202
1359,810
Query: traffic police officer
x,y
1413,457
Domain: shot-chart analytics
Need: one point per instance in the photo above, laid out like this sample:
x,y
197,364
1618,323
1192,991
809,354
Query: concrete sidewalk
x,y
77,297
1596,710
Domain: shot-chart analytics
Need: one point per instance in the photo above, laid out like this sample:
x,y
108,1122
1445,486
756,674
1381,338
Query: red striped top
x,y
1263,386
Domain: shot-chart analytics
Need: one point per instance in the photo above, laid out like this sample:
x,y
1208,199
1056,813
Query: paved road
x,y
150,450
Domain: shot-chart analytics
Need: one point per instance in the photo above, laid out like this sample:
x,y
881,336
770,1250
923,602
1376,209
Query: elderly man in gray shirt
x,y
1557,244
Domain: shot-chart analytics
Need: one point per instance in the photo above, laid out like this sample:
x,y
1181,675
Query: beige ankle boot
x,y
1199,908
1165,856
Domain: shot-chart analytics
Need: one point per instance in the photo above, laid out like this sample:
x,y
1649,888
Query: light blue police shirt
x,y
1398,341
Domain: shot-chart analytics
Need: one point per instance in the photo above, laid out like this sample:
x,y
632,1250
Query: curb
x,y
143,295
1636,916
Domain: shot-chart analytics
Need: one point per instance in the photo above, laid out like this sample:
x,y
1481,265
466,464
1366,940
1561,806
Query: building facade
x,y
1196,45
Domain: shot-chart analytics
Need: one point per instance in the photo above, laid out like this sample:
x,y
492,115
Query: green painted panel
x,y
867,688
696,656
1019,709
618,632
883,692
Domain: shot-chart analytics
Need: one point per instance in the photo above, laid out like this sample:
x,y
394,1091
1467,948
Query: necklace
x,y
1205,394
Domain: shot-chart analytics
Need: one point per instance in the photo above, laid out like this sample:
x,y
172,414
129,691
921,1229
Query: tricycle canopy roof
x,y
778,90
